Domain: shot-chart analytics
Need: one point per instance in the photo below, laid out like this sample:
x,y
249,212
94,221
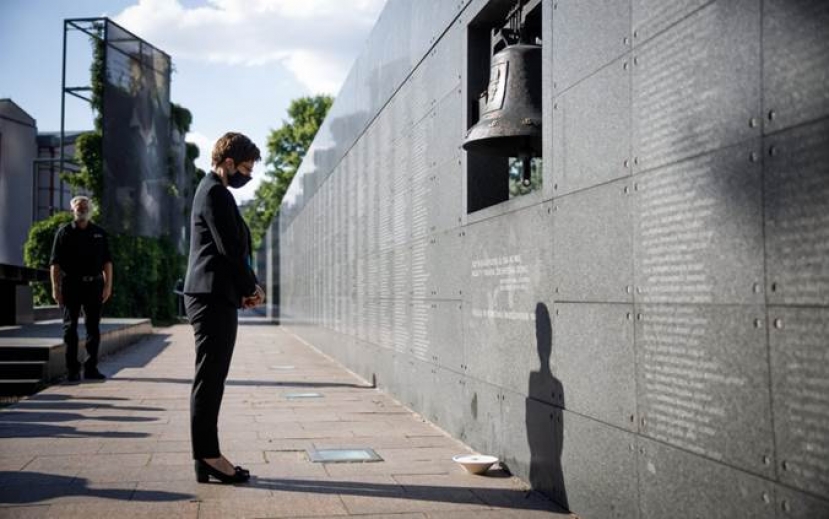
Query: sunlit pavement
x,y
120,448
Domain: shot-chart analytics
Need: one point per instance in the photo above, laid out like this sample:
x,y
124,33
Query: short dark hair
x,y
234,146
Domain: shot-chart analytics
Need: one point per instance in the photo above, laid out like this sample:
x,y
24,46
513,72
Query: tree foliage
x,y
181,118
89,154
38,250
145,271
287,147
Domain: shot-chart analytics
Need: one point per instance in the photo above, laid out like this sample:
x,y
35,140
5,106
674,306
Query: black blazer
x,y
220,247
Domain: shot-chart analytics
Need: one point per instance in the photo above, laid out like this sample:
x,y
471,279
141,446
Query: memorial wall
x,y
644,335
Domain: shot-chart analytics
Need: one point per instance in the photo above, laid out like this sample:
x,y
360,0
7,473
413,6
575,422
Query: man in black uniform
x,y
81,270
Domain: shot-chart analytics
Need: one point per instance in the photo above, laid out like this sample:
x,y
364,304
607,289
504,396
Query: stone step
x,y
23,353
22,369
20,387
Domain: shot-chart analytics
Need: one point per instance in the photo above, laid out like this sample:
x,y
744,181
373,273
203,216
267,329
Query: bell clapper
x,y
526,172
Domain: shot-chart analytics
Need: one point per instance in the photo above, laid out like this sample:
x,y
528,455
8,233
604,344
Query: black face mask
x,y
237,179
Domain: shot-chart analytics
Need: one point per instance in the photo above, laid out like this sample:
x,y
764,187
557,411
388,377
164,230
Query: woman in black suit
x,y
219,281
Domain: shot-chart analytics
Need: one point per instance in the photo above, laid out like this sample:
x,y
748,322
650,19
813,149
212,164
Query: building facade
x,y
18,146
51,193
646,333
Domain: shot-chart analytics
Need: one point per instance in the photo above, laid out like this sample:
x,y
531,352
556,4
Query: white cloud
x,y
317,40
326,72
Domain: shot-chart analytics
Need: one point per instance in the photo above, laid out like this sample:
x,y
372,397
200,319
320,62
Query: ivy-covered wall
x,y
146,269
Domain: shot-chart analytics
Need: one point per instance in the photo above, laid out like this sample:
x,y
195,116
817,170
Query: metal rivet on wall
x,y
636,34
758,323
754,157
752,122
766,459
778,323
625,64
627,163
630,318
773,151
638,317
626,41
772,115
785,465
766,498
785,506
756,287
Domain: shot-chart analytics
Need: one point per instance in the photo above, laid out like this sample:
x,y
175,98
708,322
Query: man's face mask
x,y
238,179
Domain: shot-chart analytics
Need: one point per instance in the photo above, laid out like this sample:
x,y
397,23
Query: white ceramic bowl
x,y
475,463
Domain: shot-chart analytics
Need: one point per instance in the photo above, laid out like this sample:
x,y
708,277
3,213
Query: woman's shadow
x,y
545,431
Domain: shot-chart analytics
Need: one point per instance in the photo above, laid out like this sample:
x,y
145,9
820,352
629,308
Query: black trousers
x,y
214,323
87,295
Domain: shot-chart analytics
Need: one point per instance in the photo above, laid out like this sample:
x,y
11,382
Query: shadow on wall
x,y
545,431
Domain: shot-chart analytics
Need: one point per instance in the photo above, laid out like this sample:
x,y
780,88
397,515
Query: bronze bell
x,y
510,108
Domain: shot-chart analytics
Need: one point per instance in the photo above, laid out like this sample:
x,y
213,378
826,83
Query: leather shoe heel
x,y
204,471
201,474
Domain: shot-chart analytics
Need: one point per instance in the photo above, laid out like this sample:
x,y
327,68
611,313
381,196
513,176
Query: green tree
x,y
38,249
287,147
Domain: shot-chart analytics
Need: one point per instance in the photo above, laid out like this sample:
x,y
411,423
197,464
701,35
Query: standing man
x,y
81,270
219,281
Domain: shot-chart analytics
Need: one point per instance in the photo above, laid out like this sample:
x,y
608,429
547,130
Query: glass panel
x,y
516,185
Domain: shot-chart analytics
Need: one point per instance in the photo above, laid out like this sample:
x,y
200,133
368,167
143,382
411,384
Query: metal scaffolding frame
x,y
97,28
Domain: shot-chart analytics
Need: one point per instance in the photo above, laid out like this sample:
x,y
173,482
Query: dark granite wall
x,y
648,335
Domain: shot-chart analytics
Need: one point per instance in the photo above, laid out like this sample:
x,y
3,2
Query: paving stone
x,y
121,509
122,447
26,512
282,505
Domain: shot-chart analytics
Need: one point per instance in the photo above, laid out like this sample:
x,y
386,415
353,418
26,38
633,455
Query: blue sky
x,y
237,63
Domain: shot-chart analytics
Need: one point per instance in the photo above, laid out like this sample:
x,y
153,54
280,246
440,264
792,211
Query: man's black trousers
x,y
214,322
86,294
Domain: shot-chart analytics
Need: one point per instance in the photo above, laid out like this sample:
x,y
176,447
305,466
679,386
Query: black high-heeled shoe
x,y
204,471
